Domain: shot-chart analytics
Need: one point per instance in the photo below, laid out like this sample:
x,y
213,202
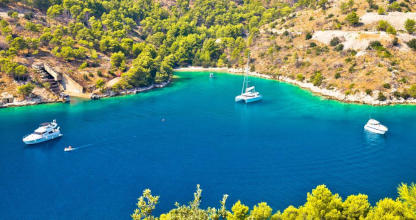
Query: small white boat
x,y
45,132
375,126
69,148
248,94
211,75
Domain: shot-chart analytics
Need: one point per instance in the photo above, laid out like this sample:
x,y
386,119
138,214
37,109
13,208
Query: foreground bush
x,y
321,203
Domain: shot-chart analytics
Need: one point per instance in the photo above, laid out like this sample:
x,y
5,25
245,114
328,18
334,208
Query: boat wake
x,y
77,148
83,146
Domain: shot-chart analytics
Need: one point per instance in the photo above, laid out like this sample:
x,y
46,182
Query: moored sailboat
x,y
248,93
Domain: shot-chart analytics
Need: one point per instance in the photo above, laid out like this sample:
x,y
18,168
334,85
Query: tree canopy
x,y
321,204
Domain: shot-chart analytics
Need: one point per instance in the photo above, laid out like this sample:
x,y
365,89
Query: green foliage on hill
x,y
25,90
13,69
144,38
409,25
412,44
353,19
386,26
321,203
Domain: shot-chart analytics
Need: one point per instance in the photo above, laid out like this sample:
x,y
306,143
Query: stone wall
x,y
71,86
57,76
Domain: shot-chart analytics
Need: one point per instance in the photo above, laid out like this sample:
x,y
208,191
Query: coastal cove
x,y
192,132
334,94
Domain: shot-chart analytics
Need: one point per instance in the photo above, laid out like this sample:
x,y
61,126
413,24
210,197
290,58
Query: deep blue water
x,y
192,133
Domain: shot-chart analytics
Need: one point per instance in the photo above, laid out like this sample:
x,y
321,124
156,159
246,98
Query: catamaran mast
x,y
245,79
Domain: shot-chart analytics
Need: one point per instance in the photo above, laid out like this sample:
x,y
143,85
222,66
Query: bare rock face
x,y
356,40
396,19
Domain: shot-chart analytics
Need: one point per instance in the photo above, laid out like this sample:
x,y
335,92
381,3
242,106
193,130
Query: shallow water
x,y
192,133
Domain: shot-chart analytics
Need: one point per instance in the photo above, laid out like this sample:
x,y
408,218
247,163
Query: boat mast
x,y
245,80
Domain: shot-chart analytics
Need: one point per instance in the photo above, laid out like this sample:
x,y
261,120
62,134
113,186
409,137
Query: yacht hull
x,y
43,139
374,130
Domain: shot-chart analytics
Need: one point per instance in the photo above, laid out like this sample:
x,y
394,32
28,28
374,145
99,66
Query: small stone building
x,y
6,98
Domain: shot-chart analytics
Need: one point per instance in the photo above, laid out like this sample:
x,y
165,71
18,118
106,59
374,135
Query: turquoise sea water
x,y
192,133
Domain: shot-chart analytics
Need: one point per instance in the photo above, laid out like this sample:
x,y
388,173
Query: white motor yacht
x,y
46,131
375,126
248,94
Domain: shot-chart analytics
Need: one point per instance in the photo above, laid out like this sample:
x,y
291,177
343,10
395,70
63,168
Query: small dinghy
x,y
375,126
69,148
211,75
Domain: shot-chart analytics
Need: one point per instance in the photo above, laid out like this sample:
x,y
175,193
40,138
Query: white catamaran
x,y
248,94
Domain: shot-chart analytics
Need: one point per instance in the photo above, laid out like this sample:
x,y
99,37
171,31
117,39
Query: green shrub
x,y
382,25
395,41
368,91
312,44
412,44
409,25
308,36
31,27
29,16
353,19
286,33
390,29
337,75
386,86
13,14
397,94
117,60
371,4
339,47
25,90
335,41
385,26
412,91
46,85
99,84
300,77
381,97
375,45
317,79
83,65
381,11
395,6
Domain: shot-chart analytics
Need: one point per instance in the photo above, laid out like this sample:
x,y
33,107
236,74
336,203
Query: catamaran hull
x,y
375,130
253,99
40,140
248,100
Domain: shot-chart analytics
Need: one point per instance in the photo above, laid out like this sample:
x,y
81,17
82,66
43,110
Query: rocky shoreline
x,y
130,91
335,94
37,101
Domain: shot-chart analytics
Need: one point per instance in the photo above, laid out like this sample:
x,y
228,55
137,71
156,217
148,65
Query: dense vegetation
x,y
321,203
145,39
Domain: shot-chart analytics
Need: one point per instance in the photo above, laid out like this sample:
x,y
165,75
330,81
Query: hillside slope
x,y
320,45
106,46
